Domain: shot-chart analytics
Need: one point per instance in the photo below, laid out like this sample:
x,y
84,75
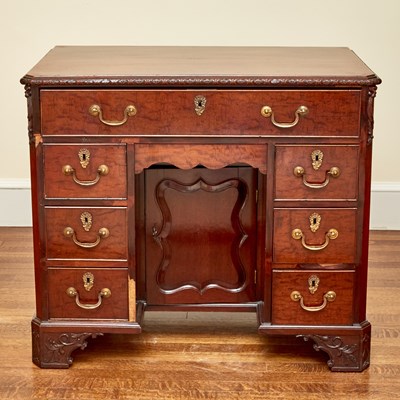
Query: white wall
x,y
29,28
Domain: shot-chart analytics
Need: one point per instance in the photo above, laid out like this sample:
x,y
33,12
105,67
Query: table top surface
x,y
201,63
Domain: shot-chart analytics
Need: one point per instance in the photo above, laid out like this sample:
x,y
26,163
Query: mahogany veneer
x,y
201,178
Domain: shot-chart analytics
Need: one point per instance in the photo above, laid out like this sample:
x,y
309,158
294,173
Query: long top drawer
x,y
198,112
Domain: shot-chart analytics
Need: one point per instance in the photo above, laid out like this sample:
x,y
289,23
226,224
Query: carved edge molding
x,y
28,95
346,354
53,350
199,81
370,112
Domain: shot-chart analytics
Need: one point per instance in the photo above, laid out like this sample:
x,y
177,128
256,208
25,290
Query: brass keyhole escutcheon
x,y
316,159
200,104
315,221
86,219
88,281
313,282
84,157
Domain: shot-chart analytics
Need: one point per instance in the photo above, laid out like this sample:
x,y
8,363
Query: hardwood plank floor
x,y
187,356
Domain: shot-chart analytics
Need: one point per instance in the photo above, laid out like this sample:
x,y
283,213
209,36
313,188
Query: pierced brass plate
x,y
200,104
86,219
84,157
315,221
316,158
88,281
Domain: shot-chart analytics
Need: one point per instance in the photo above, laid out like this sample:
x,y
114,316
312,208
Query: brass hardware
x,y
313,282
88,281
84,157
72,292
328,297
267,112
129,111
330,235
86,219
315,220
102,234
334,172
101,171
200,104
316,159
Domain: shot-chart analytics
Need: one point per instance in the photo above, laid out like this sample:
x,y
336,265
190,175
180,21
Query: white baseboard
x,y
385,205
15,204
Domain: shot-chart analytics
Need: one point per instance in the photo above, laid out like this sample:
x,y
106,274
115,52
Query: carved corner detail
x,y
350,353
53,350
28,95
370,112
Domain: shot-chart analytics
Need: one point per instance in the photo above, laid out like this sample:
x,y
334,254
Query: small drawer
x,y
86,233
88,293
316,172
322,235
312,297
198,112
84,171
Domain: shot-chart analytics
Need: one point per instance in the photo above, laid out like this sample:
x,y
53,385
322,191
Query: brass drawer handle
x,y
334,172
105,292
102,234
330,235
95,111
101,171
328,297
267,112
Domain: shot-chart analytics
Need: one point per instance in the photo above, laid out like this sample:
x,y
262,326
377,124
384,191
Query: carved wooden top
x,y
200,66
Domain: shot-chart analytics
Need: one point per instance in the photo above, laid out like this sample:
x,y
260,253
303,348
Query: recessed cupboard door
x,y
200,235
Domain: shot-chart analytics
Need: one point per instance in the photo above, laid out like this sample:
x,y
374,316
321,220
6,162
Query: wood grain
x,y
58,185
192,355
290,187
212,156
227,112
61,247
339,250
204,61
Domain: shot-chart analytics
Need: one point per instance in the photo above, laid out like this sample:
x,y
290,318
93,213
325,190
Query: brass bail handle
x,y
301,111
299,171
102,234
102,170
328,297
95,111
332,234
72,292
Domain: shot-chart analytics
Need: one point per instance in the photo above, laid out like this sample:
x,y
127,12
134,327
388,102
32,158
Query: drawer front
x,y
182,112
85,171
86,233
88,293
323,235
316,172
312,297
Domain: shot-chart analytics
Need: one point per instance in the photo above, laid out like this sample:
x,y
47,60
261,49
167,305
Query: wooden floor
x,y
181,356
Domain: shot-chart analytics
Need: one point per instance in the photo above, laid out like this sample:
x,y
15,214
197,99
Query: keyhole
x,y
86,220
313,283
315,221
87,279
317,157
